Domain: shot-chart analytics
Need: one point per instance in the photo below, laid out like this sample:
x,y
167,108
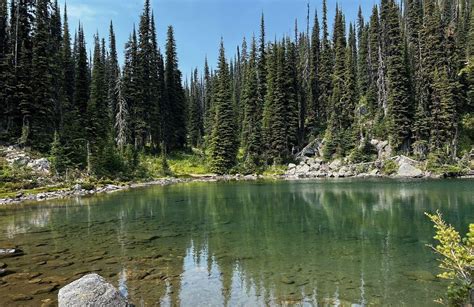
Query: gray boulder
x,y
408,171
92,291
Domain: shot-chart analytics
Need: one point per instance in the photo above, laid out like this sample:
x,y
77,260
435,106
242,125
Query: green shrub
x,y
457,260
390,167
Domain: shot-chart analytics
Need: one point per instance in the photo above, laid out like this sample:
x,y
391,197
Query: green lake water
x,y
325,243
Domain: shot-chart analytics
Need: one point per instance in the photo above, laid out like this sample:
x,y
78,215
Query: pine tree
x,y
130,86
196,128
290,88
40,115
157,80
374,61
444,115
113,75
252,130
326,70
97,129
262,64
314,111
363,69
4,49
224,139
20,103
55,65
398,80
336,122
174,107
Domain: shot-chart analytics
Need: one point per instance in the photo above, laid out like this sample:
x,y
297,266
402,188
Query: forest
x,y
404,75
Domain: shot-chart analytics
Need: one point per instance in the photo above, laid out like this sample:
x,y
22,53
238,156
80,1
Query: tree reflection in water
x,y
276,243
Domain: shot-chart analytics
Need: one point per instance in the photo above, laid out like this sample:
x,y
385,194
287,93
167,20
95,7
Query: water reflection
x,y
282,243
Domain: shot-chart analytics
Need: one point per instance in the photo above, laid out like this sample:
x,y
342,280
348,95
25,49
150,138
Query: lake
x,y
323,243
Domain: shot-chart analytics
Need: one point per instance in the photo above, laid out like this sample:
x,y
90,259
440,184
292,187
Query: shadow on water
x,y
265,243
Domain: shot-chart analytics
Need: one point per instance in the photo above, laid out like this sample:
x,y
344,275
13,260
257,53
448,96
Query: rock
x,y
90,290
420,275
46,289
3,265
309,152
20,297
302,169
408,171
5,272
10,252
77,188
374,172
314,167
335,165
291,166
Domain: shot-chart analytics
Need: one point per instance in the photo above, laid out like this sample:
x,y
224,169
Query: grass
x,y
180,164
275,170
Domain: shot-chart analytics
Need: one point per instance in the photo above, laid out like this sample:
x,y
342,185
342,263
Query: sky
x,y
200,24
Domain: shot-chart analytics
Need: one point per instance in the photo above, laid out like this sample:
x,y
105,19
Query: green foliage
x,y
364,153
57,158
390,167
457,259
441,164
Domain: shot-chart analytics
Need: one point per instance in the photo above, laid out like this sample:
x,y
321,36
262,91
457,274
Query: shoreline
x,y
78,191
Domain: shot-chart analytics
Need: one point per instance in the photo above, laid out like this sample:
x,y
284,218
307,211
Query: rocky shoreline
x,y
404,167
79,191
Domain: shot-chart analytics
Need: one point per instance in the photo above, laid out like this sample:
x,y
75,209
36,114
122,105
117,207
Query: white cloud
x,y
81,11
86,12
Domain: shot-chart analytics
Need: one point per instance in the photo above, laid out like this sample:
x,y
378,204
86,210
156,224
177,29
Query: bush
x,y
390,167
457,259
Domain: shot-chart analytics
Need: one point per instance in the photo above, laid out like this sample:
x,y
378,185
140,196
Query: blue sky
x,y
199,24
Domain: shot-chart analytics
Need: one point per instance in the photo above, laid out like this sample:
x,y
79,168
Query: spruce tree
x,y
39,116
224,139
130,85
326,70
195,126
314,111
363,69
174,106
4,49
399,117
252,132
113,75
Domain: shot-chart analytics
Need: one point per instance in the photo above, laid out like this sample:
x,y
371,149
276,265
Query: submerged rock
x,y
10,252
91,290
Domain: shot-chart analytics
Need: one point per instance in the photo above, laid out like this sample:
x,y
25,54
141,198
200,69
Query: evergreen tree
x,y
39,117
195,128
443,114
314,110
336,122
4,49
130,85
174,106
398,80
224,139
113,75
363,69
326,70
252,130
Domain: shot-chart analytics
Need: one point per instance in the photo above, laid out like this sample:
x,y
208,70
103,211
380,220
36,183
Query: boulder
x,y
91,290
335,165
291,166
302,169
408,171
